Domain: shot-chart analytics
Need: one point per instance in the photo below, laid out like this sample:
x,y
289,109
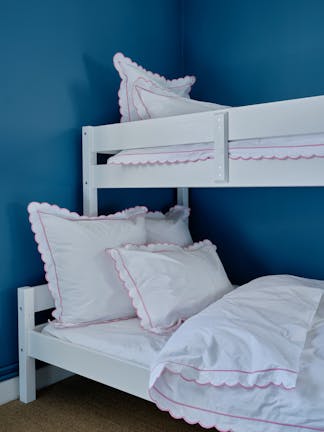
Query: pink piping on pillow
x,y
153,247
138,87
111,252
118,65
35,220
46,266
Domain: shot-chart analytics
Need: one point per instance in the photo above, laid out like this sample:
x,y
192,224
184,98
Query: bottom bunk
x,y
171,369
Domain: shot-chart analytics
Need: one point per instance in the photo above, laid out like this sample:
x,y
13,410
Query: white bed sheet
x,y
124,340
289,147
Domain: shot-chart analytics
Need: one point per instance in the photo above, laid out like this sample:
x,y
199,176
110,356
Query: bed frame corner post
x,y
183,196
89,161
26,322
221,147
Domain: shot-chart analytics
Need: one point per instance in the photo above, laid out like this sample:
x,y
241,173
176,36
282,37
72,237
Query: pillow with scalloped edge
x,y
131,73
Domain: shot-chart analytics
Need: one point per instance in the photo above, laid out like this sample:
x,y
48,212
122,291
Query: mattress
x,y
288,147
123,340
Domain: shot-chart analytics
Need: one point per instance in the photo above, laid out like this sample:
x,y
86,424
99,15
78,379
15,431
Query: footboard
x,y
120,374
30,301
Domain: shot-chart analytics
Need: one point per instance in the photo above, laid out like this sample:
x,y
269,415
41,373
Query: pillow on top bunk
x,y
155,102
130,73
84,287
171,227
168,283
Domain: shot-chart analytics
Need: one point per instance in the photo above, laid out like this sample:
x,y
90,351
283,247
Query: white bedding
x,y
290,147
188,377
124,340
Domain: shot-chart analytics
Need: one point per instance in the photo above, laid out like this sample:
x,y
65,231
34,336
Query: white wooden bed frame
x,y
294,117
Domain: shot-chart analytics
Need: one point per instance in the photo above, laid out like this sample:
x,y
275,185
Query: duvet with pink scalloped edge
x,y
250,362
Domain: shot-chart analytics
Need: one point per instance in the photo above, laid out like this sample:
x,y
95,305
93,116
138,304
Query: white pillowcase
x,y
168,283
84,287
155,102
130,73
171,227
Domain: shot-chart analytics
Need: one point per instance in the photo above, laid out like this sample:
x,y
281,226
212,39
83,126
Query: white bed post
x,y
183,196
26,322
221,147
89,160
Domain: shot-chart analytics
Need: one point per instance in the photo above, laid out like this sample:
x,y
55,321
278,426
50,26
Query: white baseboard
x,y
45,376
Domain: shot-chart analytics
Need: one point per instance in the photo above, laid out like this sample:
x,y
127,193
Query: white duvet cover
x,y
251,362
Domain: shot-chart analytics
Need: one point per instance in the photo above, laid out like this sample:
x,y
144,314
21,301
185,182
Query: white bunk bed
x,y
301,116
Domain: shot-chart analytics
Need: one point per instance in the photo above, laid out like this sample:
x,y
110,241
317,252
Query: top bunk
x,y
297,118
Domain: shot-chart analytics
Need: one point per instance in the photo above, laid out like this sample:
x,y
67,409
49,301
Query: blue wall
x,y
56,75
246,52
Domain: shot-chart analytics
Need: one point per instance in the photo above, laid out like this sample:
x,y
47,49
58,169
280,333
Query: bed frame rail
x,y
292,117
76,359
30,301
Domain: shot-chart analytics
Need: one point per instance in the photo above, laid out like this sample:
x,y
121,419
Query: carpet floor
x,y
80,405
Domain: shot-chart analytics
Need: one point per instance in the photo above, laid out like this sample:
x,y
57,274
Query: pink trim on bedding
x,y
124,86
234,370
54,265
219,413
275,157
157,162
225,384
66,214
111,252
151,247
279,146
186,211
166,152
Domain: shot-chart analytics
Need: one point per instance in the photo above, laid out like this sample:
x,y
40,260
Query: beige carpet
x,y
81,405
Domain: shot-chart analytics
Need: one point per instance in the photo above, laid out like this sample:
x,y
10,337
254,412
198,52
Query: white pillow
x,y
130,73
168,283
84,287
171,227
153,101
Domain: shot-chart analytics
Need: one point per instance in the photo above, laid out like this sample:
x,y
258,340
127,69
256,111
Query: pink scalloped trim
x,y
236,384
157,162
185,212
233,370
257,158
117,61
34,210
224,383
156,247
218,413
124,276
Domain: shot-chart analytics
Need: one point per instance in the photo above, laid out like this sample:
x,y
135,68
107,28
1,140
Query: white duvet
x,y
251,362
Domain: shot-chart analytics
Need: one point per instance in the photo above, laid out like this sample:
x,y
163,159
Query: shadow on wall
x,y
99,95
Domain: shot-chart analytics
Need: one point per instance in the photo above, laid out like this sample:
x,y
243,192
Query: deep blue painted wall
x,y
56,75
246,52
